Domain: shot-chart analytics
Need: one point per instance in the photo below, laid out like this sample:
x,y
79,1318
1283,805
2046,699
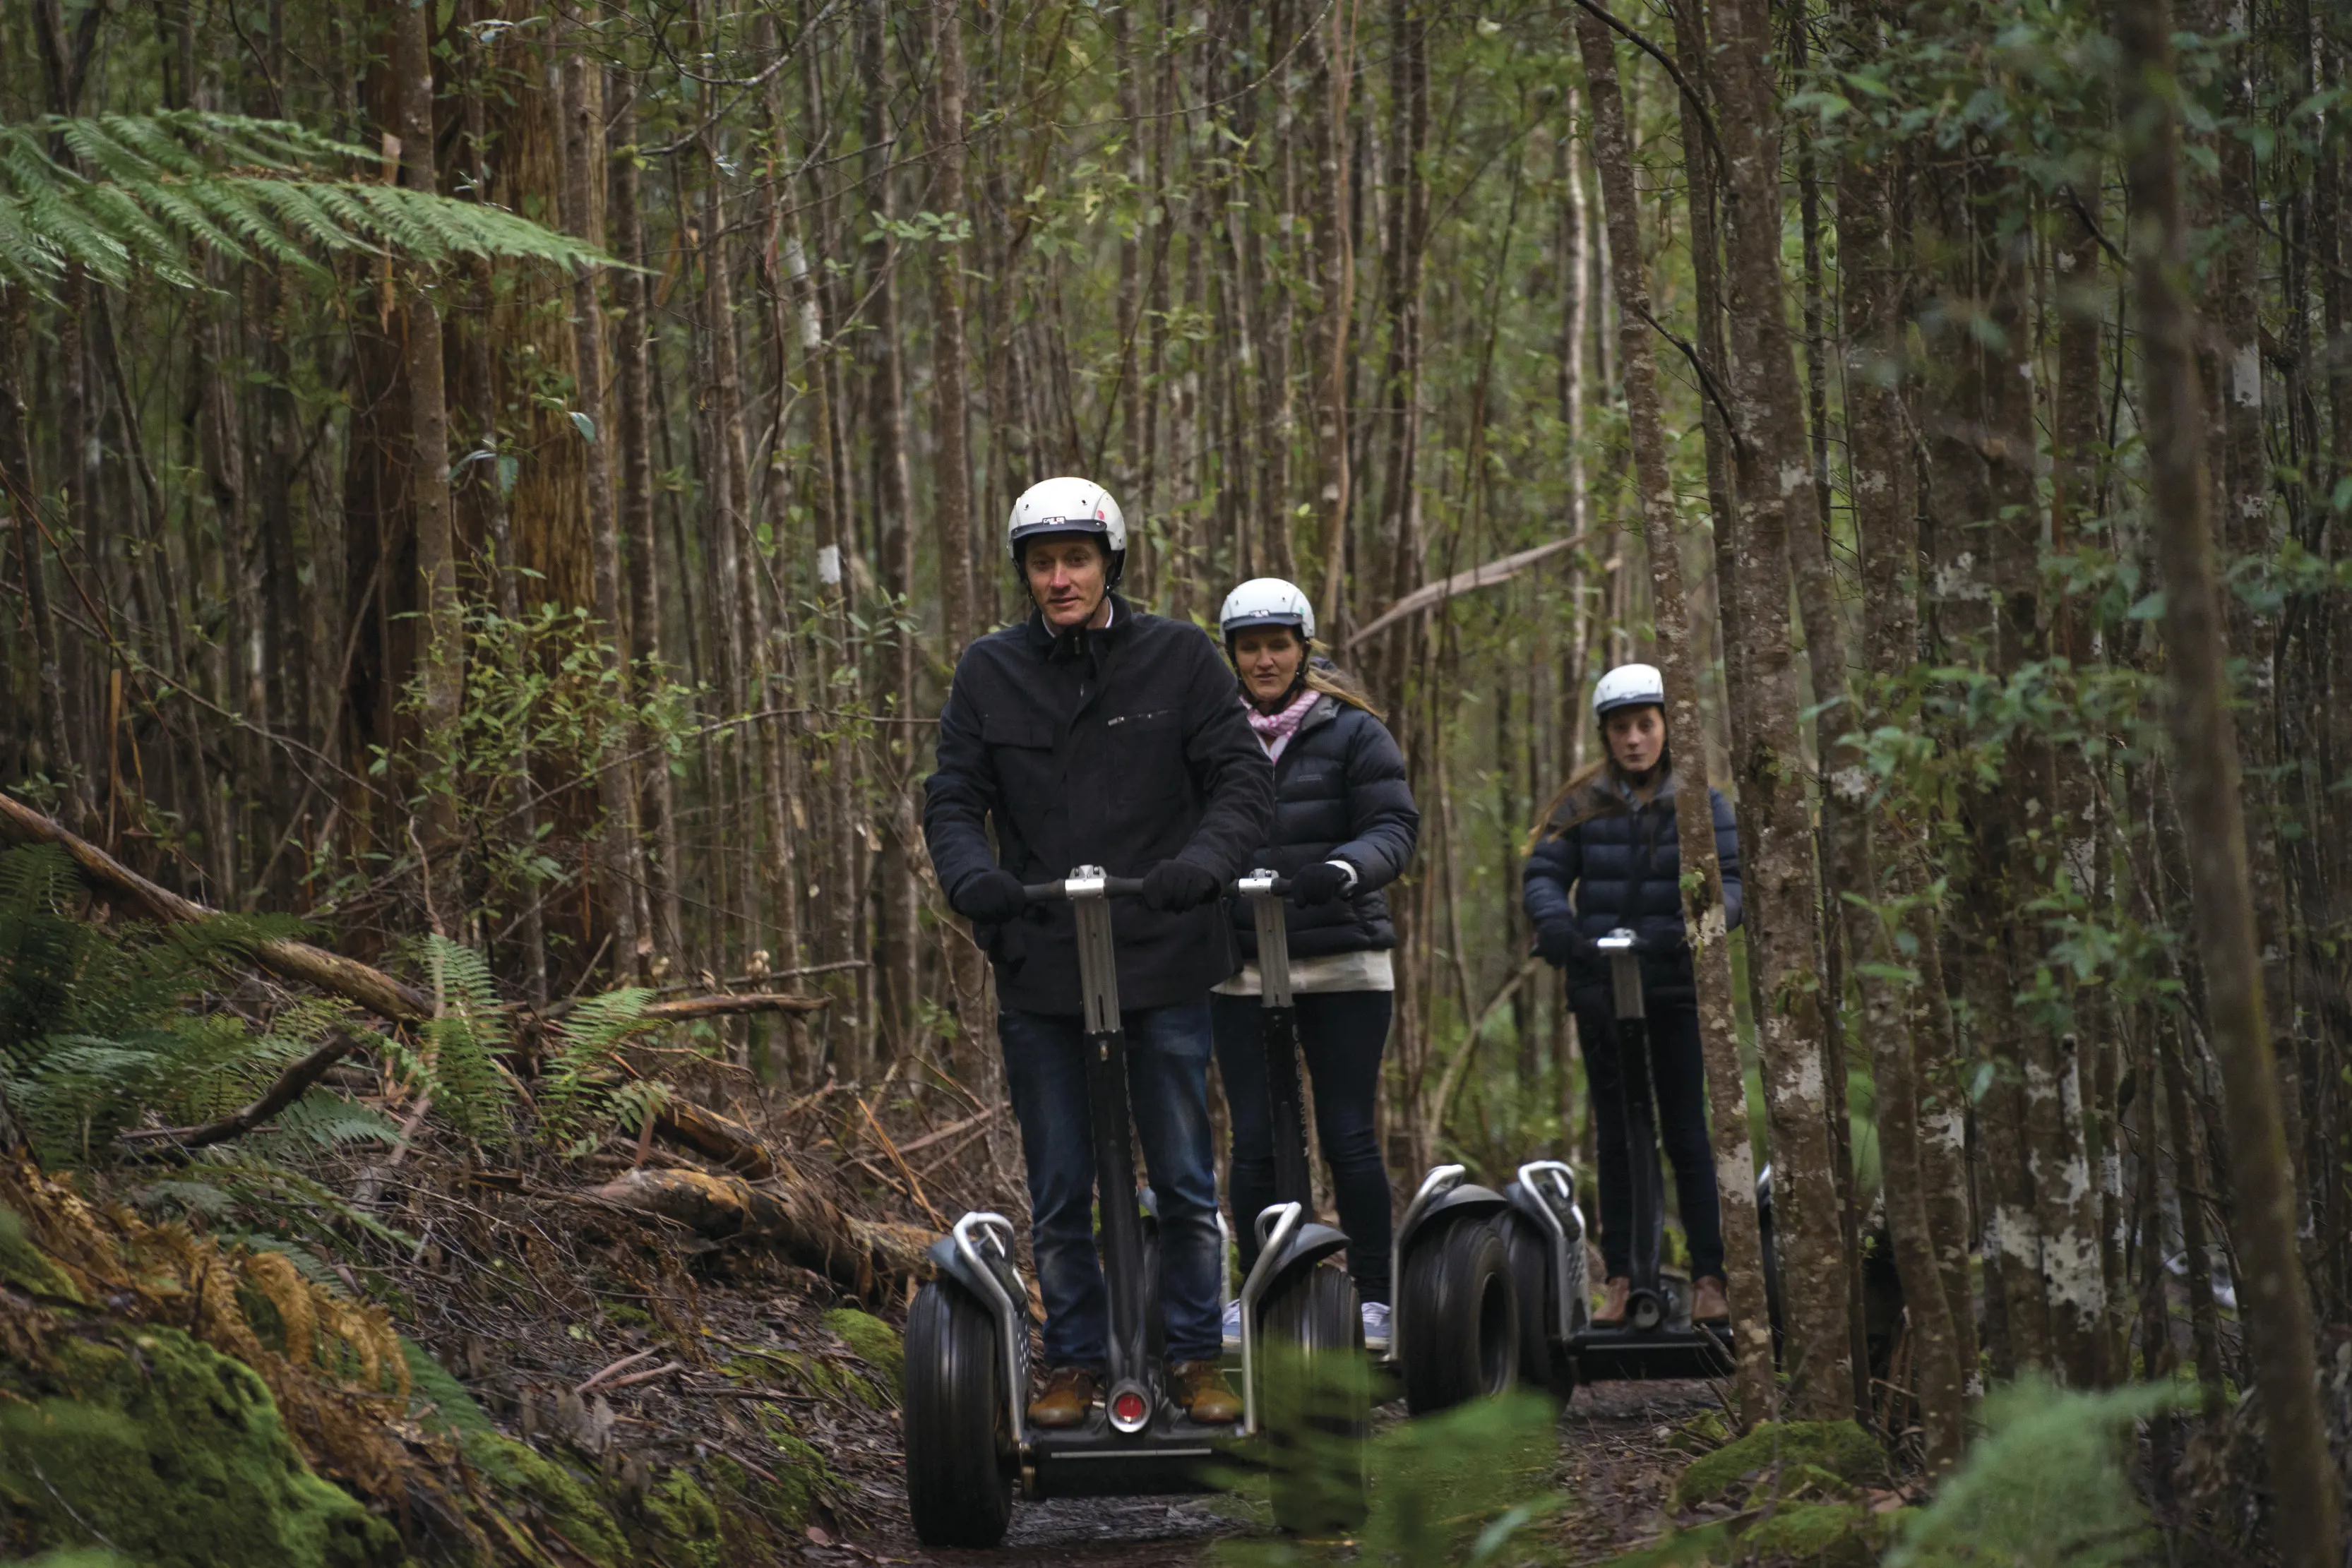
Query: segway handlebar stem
x,y
1625,972
1265,890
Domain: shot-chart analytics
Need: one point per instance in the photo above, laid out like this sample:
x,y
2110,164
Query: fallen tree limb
x,y
1486,574
290,1086
787,1213
370,987
723,1006
720,1139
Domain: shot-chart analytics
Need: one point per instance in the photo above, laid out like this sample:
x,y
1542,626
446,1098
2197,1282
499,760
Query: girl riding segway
x,y
1607,860
1344,828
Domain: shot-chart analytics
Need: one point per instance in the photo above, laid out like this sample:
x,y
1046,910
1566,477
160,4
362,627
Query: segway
x,y
968,1443
1560,1345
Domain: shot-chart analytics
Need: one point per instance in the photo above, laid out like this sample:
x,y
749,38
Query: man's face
x,y
1636,737
1065,573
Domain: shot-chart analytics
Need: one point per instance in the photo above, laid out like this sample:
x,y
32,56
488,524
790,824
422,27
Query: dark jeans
x,y
1679,1073
1341,1035
1168,1090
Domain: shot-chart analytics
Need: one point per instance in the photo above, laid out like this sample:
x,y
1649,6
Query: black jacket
x,y
1119,749
1624,857
1339,794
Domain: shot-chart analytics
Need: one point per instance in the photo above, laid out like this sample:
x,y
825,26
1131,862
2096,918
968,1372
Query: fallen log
x,y
722,1140
370,987
787,1213
722,1006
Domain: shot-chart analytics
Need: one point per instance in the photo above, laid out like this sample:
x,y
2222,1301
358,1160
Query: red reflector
x,y
1128,1407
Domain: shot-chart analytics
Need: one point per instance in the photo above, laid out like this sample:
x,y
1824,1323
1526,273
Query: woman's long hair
x,y
1325,677
1576,802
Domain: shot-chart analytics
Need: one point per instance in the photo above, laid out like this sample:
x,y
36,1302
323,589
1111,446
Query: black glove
x,y
1173,886
1560,942
1321,883
992,896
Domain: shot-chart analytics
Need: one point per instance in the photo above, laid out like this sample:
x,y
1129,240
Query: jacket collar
x,y
1048,643
1624,792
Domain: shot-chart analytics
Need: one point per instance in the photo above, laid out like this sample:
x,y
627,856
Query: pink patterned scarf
x,y
1275,729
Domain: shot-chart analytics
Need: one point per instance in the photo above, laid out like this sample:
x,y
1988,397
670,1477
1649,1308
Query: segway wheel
x,y
959,1452
1318,1404
1542,1364
1461,1312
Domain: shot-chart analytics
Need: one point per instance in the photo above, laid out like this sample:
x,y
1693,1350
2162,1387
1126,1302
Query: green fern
x,y
97,1033
142,195
580,1094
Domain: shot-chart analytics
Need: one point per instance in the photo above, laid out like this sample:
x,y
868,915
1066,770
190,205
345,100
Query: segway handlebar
x,y
1258,883
1099,886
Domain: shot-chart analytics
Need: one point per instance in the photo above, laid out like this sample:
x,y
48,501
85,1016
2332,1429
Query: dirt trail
x,y
1614,1461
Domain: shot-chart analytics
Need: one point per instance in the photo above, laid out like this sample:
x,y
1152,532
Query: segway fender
x,y
1467,1198
975,1255
1545,1194
1308,1246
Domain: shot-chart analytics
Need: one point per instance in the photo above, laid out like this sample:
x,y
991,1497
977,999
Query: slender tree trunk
x,y
2279,1336
887,394
1881,462
951,499
583,147
1776,503
635,432
442,651
1735,1163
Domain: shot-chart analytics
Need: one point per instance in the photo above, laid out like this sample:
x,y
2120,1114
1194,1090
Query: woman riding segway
x,y
1344,827
1610,837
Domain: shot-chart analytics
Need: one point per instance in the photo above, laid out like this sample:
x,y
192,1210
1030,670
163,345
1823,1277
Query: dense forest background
x,y
568,572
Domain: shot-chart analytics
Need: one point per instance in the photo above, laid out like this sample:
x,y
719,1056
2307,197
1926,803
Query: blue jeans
x,y
1168,1090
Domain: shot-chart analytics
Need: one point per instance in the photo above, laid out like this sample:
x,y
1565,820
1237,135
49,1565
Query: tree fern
x,y
152,190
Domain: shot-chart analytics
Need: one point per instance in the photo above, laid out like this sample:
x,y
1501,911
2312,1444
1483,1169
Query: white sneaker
x,y
1376,1325
1233,1324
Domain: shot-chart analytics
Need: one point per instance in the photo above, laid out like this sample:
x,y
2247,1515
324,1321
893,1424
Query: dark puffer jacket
x,y
1624,858
1339,794
1119,749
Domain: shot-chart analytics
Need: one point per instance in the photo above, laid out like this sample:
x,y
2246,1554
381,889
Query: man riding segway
x,y
1093,734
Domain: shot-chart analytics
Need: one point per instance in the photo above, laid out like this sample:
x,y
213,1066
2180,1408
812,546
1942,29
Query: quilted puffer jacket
x,y
1340,793
1607,859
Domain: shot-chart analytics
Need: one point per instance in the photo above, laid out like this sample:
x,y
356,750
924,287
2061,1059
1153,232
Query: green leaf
x,y
586,426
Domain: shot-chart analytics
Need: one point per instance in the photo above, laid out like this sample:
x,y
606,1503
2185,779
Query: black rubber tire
x,y
953,1420
1319,1410
1542,1364
1461,1317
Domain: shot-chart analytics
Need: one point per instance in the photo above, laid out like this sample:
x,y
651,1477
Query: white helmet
x,y
1267,601
1629,685
1068,505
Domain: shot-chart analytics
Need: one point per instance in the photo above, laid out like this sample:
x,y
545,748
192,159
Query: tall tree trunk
x,y
633,430
1776,502
951,499
2302,1480
583,162
442,651
1882,461
1735,1162
886,403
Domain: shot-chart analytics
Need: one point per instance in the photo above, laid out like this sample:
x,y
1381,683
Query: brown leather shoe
x,y
1069,1394
1710,1303
1614,1294
1201,1390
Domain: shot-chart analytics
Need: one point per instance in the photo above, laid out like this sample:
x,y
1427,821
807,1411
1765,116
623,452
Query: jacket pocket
x,y
1021,746
1145,749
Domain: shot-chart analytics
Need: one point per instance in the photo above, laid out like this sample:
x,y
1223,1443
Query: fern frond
x,y
146,193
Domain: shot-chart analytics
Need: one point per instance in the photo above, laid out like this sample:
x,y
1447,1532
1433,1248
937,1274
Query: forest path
x,y
1615,1462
